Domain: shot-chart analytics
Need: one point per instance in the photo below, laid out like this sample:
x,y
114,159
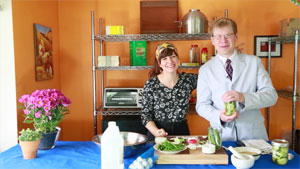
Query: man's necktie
x,y
229,69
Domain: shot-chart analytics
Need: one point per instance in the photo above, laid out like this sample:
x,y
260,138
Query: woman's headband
x,y
163,46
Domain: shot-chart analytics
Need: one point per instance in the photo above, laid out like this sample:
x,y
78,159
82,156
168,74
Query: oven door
x,y
121,98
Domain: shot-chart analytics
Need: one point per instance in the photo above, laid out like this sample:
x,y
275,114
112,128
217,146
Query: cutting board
x,y
193,157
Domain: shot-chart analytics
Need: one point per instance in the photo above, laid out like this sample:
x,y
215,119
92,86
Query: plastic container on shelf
x,y
194,54
204,54
112,148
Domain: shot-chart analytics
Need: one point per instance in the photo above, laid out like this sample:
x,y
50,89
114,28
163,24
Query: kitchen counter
x,y
86,154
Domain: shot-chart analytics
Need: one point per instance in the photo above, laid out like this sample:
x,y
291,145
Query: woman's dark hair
x,y
156,70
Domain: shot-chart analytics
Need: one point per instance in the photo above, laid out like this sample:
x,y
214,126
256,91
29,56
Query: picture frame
x,y
43,52
261,46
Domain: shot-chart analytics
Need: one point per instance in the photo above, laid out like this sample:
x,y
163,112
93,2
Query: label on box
x,y
114,30
138,53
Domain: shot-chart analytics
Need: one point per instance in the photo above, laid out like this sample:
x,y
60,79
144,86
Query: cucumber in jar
x,y
214,137
230,108
280,152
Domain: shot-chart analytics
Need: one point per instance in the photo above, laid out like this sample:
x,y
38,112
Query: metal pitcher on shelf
x,y
194,22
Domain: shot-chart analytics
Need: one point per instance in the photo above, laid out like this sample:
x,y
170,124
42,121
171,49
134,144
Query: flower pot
x,y
29,148
49,139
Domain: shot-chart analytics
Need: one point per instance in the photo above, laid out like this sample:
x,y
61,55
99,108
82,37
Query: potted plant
x,y
29,142
45,109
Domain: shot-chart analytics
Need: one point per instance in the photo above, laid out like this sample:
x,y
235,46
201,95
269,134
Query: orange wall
x,y
25,14
72,31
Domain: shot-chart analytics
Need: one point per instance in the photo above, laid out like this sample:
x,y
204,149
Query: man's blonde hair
x,y
222,22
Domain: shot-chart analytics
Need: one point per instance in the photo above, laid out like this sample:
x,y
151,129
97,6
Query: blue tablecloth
x,y
86,155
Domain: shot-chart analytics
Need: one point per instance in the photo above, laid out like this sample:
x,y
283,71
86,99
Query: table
x,y
86,155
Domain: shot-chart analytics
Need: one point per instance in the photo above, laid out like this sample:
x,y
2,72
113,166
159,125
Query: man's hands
x,y
226,118
233,95
229,96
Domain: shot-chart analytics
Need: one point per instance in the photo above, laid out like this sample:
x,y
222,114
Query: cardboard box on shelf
x,y
189,64
114,30
108,61
138,53
288,27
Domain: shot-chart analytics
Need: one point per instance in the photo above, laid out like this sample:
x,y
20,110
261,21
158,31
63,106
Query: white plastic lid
x,y
111,124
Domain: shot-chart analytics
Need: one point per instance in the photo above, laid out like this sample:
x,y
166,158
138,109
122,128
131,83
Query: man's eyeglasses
x,y
227,36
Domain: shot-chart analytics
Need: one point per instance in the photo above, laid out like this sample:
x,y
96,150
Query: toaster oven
x,y
122,97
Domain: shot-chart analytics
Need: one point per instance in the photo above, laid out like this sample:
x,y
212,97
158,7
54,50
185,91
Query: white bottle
x,y
112,148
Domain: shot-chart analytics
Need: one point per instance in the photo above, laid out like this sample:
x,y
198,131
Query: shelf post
x,y
269,71
94,75
295,90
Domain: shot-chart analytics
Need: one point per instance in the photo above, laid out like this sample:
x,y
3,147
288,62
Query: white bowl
x,y
249,150
243,163
208,148
132,142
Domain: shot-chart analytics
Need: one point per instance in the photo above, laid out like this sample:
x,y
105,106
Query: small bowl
x,y
250,151
243,163
208,148
132,142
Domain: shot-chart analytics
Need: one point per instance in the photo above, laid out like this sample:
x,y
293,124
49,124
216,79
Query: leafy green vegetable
x,y
168,146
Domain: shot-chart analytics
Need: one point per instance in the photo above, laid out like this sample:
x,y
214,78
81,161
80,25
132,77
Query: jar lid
x,y
280,142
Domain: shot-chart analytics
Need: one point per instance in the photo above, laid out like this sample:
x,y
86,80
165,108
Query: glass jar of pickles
x,y
280,151
215,137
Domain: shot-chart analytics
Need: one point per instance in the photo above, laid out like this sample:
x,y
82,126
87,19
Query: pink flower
x,y
26,111
38,114
45,108
24,98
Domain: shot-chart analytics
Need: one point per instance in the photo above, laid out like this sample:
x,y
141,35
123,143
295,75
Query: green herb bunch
x,y
30,135
169,146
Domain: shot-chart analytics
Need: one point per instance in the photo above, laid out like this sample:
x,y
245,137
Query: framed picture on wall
x,y
261,46
43,52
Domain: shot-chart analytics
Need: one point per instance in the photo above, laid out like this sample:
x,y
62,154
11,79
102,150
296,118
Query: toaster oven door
x,y
121,98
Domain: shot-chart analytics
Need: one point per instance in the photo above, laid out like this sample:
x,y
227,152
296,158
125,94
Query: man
x,y
231,76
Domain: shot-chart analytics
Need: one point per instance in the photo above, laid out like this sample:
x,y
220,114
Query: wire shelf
x,y
287,39
287,95
104,112
137,67
152,37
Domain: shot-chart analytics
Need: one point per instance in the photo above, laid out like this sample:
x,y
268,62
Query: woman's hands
x,y
156,132
160,133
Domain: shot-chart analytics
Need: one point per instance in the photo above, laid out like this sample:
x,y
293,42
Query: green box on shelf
x,y
138,53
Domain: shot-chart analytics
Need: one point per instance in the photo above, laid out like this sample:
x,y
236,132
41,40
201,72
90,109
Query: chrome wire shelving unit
x,y
287,94
153,37
137,111
99,110
114,112
138,67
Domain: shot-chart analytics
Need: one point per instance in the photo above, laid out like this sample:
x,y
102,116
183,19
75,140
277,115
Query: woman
x,y
166,95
